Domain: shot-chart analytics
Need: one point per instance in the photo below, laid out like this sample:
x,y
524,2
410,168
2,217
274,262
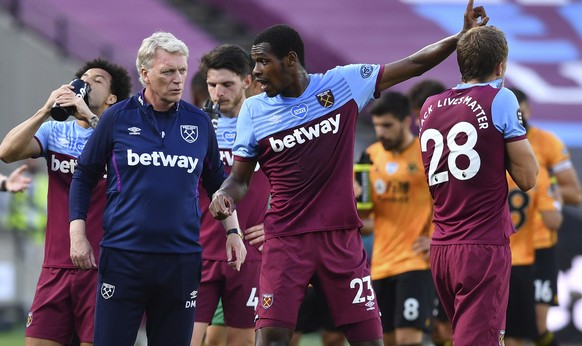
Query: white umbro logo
x,y
192,302
134,131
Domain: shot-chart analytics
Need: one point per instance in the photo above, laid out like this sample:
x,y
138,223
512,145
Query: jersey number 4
x,y
455,150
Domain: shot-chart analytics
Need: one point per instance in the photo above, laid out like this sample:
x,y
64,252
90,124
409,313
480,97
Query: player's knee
x,y
241,336
364,333
273,336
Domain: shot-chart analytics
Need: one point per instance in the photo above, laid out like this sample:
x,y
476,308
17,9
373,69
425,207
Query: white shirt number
x,y
455,149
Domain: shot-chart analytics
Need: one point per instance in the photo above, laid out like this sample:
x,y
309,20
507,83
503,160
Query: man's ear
x,y
292,58
111,99
144,75
247,81
500,69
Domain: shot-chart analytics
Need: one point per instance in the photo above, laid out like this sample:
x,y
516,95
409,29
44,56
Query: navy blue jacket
x,y
154,162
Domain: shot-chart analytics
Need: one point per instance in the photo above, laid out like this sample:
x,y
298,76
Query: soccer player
x,y
301,131
470,135
199,90
156,147
402,213
526,208
313,316
554,157
227,71
64,302
441,326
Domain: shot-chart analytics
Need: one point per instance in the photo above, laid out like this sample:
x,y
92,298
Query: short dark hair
x,y
479,51
198,81
422,90
227,56
120,79
282,39
391,102
520,95
199,89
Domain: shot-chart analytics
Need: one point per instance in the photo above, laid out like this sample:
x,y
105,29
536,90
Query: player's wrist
x,y
235,230
93,121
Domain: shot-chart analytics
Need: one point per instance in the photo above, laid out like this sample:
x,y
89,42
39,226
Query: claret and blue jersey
x,y
250,210
61,142
463,133
154,163
305,146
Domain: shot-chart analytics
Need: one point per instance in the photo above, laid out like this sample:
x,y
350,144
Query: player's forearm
x,y
234,188
231,222
569,187
417,63
14,145
433,54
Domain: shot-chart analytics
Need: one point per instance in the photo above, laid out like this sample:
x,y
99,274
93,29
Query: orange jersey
x,y
525,208
402,209
553,156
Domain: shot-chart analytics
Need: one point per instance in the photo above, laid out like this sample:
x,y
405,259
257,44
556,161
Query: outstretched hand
x,y
17,181
236,251
474,17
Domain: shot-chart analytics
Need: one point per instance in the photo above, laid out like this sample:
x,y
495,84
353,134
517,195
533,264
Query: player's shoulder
x,y
375,148
189,110
261,104
505,95
544,135
350,71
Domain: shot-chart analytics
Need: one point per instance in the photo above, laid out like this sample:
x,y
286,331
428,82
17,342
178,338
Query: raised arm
x,y
431,55
19,143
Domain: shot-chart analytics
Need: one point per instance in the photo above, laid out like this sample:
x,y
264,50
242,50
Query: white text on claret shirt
x,y
303,134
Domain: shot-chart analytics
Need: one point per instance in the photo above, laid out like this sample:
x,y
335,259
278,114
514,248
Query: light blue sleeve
x,y
43,134
363,81
506,115
245,144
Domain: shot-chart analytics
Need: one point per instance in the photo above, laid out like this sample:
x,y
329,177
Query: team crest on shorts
x,y
326,98
267,300
189,133
29,319
107,290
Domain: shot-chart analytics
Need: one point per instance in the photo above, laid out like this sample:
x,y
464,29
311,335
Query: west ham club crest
x,y
326,98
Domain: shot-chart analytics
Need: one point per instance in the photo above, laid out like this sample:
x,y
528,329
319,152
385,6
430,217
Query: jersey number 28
x,y
455,150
